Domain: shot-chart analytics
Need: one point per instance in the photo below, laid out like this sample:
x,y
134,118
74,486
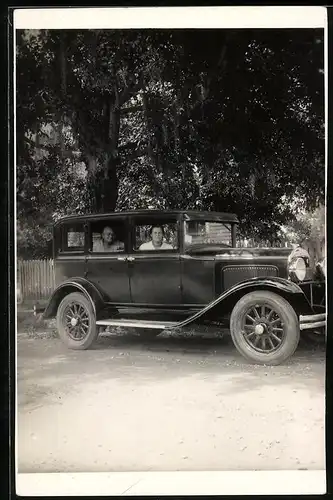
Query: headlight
x,y
297,268
324,267
298,262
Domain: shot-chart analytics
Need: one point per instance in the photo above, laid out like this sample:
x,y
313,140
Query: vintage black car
x,y
163,270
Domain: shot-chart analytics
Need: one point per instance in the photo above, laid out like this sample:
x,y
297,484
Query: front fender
x,y
224,304
76,284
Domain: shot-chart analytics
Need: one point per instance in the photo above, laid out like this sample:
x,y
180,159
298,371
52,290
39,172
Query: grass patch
x,y
35,327
32,333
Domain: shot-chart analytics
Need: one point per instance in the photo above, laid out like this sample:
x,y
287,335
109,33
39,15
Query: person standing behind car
x,y
156,243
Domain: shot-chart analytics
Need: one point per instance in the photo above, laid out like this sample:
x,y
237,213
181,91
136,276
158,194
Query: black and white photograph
x,y
170,250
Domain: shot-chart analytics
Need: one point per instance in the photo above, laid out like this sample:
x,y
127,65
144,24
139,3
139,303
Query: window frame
x,y
110,221
187,218
150,220
209,221
61,238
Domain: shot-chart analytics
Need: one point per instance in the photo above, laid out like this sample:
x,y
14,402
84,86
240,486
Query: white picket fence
x,y
35,280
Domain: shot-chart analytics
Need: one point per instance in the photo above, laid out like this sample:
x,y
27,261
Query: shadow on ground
x,y
195,341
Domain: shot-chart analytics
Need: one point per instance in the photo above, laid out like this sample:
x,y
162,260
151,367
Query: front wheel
x,y
76,322
264,328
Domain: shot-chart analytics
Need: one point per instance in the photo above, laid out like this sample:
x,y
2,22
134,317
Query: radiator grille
x,y
232,275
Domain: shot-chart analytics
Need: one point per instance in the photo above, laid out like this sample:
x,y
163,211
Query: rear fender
x,y
223,305
78,284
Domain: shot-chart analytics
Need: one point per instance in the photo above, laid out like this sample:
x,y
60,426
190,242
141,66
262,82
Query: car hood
x,y
223,251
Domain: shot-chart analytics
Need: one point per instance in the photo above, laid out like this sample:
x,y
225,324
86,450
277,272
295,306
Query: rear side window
x,y
73,237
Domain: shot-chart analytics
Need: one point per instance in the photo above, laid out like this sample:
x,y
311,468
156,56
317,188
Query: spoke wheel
x,y
264,328
76,321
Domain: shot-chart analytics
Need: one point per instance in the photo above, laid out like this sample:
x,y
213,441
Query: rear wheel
x,y
264,328
76,321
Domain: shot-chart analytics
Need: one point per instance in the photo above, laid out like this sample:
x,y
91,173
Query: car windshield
x,y
207,232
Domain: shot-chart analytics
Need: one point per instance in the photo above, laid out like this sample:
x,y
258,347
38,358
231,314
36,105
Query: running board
x,y
159,325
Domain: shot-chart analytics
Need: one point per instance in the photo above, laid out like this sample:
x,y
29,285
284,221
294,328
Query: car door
x,y
198,279
200,283
155,274
108,267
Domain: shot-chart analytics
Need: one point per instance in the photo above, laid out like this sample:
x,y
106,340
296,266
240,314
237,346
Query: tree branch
x,y
52,149
129,91
127,145
131,109
137,153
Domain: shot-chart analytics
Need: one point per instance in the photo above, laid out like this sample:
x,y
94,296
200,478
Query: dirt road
x,y
171,403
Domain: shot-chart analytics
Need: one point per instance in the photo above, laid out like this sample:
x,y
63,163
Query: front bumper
x,y
311,321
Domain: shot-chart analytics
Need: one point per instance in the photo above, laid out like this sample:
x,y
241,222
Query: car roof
x,y
192,214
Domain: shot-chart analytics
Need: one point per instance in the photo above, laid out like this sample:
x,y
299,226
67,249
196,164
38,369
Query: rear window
x,y
73,237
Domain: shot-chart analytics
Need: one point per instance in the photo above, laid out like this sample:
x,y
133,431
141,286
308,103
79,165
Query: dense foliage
x,y
231,120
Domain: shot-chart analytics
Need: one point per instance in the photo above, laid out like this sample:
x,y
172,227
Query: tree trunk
x,y
106,178
106,187
63,65
145,113
59,113
102,182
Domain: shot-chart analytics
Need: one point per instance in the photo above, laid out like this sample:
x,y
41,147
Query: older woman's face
x,y
157,236
108,235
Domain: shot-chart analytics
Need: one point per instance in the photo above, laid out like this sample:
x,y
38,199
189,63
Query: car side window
x,y
207,232
73,237
156,236
107,236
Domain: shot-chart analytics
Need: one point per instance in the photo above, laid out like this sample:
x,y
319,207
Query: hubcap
x,y
74,321
259,329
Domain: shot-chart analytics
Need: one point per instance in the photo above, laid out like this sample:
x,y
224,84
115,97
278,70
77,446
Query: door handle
x,y
122,258
130,259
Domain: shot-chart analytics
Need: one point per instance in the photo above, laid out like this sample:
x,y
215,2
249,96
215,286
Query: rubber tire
x,y
92,335
288,316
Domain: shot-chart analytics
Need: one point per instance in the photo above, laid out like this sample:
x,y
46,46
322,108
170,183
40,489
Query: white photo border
x,y
169,483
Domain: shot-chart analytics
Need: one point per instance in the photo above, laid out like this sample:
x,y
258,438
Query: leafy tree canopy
x,y
228,120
